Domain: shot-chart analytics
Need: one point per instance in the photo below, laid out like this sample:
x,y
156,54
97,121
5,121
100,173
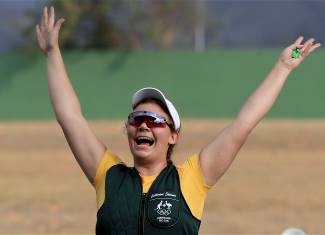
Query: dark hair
x,y
171,147
170,151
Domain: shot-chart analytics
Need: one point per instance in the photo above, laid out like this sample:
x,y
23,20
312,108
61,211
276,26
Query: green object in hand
x,y
295,53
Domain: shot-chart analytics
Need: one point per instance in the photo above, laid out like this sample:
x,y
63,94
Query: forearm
x,y
63,97
216,157
263,98
87,149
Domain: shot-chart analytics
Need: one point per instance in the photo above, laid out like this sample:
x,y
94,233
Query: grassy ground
x,y
276,182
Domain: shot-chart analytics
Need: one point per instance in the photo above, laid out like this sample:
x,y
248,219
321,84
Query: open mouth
x,y
144,140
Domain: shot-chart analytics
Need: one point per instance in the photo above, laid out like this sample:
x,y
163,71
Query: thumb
x,y
297,43
299,40
58,24
39,36
38,31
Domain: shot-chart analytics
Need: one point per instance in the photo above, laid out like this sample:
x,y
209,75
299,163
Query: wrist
x,y
52,51
282,67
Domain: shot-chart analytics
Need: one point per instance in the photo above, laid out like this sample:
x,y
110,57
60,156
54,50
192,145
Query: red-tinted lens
x,y
151,119
153,122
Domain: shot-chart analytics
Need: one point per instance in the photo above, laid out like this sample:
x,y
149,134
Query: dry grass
x,y
276,182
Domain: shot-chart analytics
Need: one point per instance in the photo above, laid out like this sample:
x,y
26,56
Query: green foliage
x,y
87,24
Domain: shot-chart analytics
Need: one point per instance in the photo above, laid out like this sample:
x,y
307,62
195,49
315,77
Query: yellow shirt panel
x,y
193,185
108,160
147,181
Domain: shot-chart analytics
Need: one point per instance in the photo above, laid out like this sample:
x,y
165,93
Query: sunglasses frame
x,y
151,124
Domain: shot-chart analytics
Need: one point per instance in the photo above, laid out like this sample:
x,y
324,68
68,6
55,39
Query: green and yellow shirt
x,y
169,203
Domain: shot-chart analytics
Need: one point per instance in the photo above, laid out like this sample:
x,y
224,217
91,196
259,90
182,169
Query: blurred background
x,y
131,44
193,25
208,56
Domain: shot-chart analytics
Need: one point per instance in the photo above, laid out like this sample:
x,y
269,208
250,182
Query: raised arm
x,y
217,156
86,148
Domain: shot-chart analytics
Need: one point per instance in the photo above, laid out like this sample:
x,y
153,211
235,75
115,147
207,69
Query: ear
x,y
174,137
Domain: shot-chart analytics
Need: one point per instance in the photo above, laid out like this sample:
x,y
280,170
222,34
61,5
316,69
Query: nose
x,y
143,126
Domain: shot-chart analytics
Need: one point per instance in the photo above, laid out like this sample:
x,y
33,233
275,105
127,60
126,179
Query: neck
x,y
149,168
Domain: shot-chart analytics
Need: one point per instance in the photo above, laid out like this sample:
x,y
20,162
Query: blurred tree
x,y
163,23
178,23
168,17
88,24
126,24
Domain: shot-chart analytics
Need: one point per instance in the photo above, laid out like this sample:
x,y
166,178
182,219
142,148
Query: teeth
x,y
144,140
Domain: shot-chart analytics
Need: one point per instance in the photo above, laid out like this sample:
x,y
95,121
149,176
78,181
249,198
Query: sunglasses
x,y
151,119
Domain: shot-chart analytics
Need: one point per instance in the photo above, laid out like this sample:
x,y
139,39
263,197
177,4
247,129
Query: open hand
x,y
305,49
48,31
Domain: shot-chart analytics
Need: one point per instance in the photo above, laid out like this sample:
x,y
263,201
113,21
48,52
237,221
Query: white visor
x,y
150,92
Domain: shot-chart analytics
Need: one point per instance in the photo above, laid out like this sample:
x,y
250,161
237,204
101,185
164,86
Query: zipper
x,y
142,216
142,213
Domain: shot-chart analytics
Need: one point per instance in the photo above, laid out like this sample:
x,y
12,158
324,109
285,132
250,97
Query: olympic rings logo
x,y
164,212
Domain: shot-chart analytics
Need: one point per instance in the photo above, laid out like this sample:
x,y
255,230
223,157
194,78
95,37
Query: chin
x,y
141,153
141,156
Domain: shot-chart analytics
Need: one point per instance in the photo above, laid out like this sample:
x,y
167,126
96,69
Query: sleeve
x,y
193,186
108,160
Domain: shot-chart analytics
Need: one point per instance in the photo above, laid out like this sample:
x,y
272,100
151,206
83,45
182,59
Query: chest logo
x,y
164,208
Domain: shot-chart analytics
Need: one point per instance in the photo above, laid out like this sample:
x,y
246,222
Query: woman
x,y
154,196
